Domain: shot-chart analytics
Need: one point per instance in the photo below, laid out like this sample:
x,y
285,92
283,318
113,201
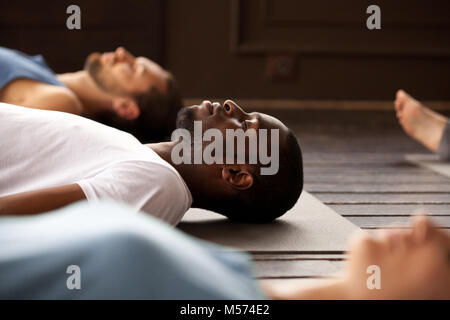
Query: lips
x,y
208,106
211,108
217,107
108,57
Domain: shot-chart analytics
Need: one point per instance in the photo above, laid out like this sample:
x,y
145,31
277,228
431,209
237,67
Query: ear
x,y
126,108
239,177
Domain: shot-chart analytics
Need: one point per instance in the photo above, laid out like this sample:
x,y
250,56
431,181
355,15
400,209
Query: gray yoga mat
x,y
310,226
430,161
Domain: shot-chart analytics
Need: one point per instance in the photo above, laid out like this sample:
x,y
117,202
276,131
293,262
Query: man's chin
x,y
93,67
92,60
185,119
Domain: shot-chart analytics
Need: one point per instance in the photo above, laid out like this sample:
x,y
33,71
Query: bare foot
x,y
418,121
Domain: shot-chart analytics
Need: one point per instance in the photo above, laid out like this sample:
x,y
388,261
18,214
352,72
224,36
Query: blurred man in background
x,y
134,94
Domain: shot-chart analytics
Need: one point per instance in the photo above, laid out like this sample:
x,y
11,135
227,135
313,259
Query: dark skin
x,y
220,181
207,183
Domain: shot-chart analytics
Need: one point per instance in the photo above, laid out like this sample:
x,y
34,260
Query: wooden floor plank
x,y
381,178
290,284
354,157
383,222
358,164
356,170
430,162
296,269
377,188
375,231
294,256
390,209
376,198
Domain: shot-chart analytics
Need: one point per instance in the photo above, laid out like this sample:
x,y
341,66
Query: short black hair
x,y
160,110
271,196
158,113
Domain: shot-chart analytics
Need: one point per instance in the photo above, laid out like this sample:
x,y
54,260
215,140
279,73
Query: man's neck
x,y
94,100
164,150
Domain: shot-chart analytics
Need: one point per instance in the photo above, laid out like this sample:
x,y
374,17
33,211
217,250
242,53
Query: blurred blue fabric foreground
x,y
120,254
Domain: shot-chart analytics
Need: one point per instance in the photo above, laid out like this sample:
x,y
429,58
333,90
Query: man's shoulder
x,y
165,172
167,178
162,190
51,97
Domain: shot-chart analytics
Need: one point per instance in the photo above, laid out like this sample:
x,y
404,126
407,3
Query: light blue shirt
x,y
15,65
120,255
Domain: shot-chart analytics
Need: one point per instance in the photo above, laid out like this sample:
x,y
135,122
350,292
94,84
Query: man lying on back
x,y
49,159
134,94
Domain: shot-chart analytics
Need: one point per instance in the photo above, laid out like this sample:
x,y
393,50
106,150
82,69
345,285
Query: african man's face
x,y
229,116
414,264
120,73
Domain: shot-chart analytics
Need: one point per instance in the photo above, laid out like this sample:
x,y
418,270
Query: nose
x,y
232,108
122,54
207,104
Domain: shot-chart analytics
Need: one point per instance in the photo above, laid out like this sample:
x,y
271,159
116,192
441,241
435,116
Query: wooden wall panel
x,y
192,39
218,54
39,27
339,27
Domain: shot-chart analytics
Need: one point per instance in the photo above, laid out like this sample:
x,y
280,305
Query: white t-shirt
x,y
43,149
